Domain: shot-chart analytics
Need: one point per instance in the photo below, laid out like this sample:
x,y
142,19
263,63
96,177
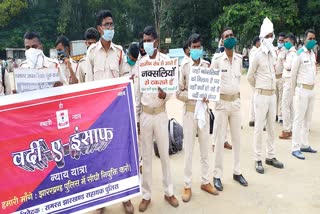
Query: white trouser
x,y
265,111
155,126
227,112
227,133
190,127
251,110
279,88
303,102
287,105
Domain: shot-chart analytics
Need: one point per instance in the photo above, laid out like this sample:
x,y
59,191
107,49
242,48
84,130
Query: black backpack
x,y
175,138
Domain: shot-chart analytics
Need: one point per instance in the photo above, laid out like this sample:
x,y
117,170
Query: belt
x,y
305,86
190,108
278,76
153,111
230,98
265,92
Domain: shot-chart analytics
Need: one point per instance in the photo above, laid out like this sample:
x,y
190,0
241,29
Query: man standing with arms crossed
x,y
261,75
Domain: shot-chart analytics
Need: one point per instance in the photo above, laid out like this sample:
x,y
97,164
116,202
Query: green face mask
x,y
130,62
288,45
310,44
229,43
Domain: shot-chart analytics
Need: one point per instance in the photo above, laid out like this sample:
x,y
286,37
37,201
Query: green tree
x,y
10,9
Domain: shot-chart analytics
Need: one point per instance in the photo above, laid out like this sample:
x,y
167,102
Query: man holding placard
x,y
227,109
151,111
192,125
36,69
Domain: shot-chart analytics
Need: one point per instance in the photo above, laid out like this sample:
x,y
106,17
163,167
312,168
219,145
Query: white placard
x,y
204,82
163,74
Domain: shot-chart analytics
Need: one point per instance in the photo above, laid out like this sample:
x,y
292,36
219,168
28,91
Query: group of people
x,y
281,70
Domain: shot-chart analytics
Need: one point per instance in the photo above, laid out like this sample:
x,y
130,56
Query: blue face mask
x,y
148,47
61,55
108,35
280,45
130,62
196,53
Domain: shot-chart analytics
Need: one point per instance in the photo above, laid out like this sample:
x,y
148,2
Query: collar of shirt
x,y
304,49
225,56
99,45
292,49
200,63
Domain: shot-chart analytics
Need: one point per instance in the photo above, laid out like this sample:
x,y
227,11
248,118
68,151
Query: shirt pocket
x,y
98,70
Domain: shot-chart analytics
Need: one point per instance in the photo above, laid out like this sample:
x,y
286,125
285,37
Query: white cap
x,y
266,27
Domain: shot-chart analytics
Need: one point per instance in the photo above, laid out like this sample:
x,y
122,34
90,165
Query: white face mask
x,y
268,43
35,57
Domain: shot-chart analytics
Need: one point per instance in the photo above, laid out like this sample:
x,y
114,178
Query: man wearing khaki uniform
x,y
280,51
227,110
190,124
104,60
303,81
287,96
153,120
261,75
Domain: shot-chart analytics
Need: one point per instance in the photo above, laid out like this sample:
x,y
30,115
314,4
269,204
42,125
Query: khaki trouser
x,y
287,105
279,88
265,111
227,113
190,127
155,126
303,107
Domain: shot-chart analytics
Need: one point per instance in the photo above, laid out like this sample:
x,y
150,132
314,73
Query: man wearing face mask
x,y
261,75
227,110
104,59
281,52
35,58
303,73
287,96
91,36
151,113
68,65
190,124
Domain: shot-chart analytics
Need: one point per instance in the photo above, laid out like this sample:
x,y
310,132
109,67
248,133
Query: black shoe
x,y
251,123
240,179
259,167
264,129
277,118
217,184
308,149
274,162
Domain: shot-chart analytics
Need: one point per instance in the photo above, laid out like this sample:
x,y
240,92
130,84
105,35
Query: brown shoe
x,y
144,205
227,145
213,147
209,189
186,195
128,207
285,135
140,169
172,200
